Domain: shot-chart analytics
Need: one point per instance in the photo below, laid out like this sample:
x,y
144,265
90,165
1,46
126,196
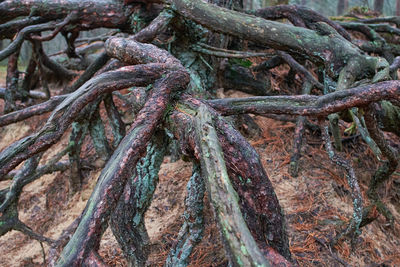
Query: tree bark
x,y
239,243
11,83
127,220
246,207
257,198
397,7
342,7
113,178
325,46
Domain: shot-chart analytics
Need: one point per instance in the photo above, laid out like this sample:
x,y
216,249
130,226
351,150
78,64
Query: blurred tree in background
x,y
325,7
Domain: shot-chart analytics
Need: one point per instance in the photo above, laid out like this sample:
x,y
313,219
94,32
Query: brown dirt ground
x,y
316,204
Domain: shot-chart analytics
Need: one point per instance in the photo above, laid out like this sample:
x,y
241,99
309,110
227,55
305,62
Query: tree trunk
x,y
378,5
342,7
397,7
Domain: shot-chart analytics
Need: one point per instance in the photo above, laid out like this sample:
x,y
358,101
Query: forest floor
x,y
317,204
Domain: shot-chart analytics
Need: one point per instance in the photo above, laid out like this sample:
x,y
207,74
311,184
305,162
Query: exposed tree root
x,y
352,230
386,169
165,90
127,220
298,137
238,241
191,231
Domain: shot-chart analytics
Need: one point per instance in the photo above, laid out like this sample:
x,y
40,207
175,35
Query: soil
x,y
317,204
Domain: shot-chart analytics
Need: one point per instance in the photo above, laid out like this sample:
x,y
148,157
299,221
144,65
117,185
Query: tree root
x,y
383,173
257,199
191,231
11,83
117,125
352,229
309,105
239,243
298,137
71,107
9,203
114,176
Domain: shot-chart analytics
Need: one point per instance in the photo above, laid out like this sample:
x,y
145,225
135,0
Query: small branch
x,y
368,31
20,226
53,165
364,133
32,94
102,37
300,16
385,28
59,70
19,181
8,30
40,171
300,69
394,20
70,18
9,207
